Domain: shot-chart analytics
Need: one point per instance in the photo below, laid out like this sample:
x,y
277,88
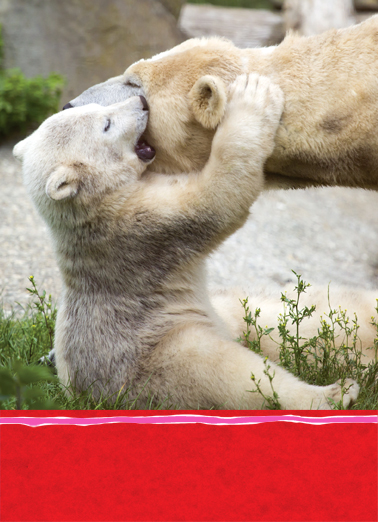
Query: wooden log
x,y
244,27
309,17
359,5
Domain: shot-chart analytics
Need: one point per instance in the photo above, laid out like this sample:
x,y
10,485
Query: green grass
x,y
27,384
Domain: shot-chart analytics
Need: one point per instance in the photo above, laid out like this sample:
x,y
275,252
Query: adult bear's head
x,y
186,90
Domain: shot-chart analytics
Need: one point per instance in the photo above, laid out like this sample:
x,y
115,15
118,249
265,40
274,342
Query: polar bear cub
x,y
131,248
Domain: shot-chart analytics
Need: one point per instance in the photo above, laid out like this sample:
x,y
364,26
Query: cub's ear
x,y
208,100
20,148
63,183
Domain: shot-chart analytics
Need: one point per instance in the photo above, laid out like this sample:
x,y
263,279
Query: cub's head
x,y
186,89
76,157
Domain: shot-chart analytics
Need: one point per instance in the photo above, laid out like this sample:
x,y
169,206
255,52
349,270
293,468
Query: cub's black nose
x,y
67,106
144,101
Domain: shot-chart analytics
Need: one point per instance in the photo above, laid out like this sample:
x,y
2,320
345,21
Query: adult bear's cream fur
x,y
131,248
328,133
361,303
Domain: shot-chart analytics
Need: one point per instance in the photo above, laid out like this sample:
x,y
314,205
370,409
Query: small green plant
x,y
374,322
29,337
271,401
251,320
25,102
294,347
45,309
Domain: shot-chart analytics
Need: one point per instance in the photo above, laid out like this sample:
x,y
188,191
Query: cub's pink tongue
x,y
144,151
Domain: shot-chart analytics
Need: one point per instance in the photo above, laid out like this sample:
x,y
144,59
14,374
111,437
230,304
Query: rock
x,y
173,6
88,41
245,27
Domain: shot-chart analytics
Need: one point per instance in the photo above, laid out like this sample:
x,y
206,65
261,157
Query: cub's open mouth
x,y
144,151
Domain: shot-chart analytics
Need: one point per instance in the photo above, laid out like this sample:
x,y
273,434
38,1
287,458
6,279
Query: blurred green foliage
x,y
26,101
251,4
17,390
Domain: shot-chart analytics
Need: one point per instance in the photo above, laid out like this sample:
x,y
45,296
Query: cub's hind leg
x,y
199,369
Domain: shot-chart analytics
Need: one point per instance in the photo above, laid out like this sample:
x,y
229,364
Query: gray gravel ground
x,y
324,234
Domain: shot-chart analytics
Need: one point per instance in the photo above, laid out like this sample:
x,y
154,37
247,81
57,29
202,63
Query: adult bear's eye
x,y
131,84
107,126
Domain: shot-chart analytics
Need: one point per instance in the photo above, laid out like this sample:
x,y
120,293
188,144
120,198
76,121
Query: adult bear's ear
x,y
208,100
63,183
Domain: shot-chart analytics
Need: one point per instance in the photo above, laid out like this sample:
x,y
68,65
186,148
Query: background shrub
x,y
26,102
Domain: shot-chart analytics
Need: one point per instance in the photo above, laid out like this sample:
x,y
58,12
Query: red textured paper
x,y
126,472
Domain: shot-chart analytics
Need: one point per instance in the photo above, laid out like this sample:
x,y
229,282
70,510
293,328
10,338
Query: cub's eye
x,y
107,126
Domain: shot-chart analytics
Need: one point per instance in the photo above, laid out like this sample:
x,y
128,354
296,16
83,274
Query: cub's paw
x,y
48,359
348,392
258,97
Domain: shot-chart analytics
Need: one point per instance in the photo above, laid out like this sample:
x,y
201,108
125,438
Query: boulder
x,y
88,41
173,6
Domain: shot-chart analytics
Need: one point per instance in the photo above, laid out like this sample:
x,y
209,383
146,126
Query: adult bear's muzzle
x,y
107,93
143,99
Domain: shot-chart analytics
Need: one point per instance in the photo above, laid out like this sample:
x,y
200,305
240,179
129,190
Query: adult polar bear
x,y
328,132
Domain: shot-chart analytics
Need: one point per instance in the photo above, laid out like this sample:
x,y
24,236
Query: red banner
x,y
196,466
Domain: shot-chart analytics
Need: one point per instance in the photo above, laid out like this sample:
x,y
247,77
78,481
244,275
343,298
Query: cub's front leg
x,y
212,204
244,141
